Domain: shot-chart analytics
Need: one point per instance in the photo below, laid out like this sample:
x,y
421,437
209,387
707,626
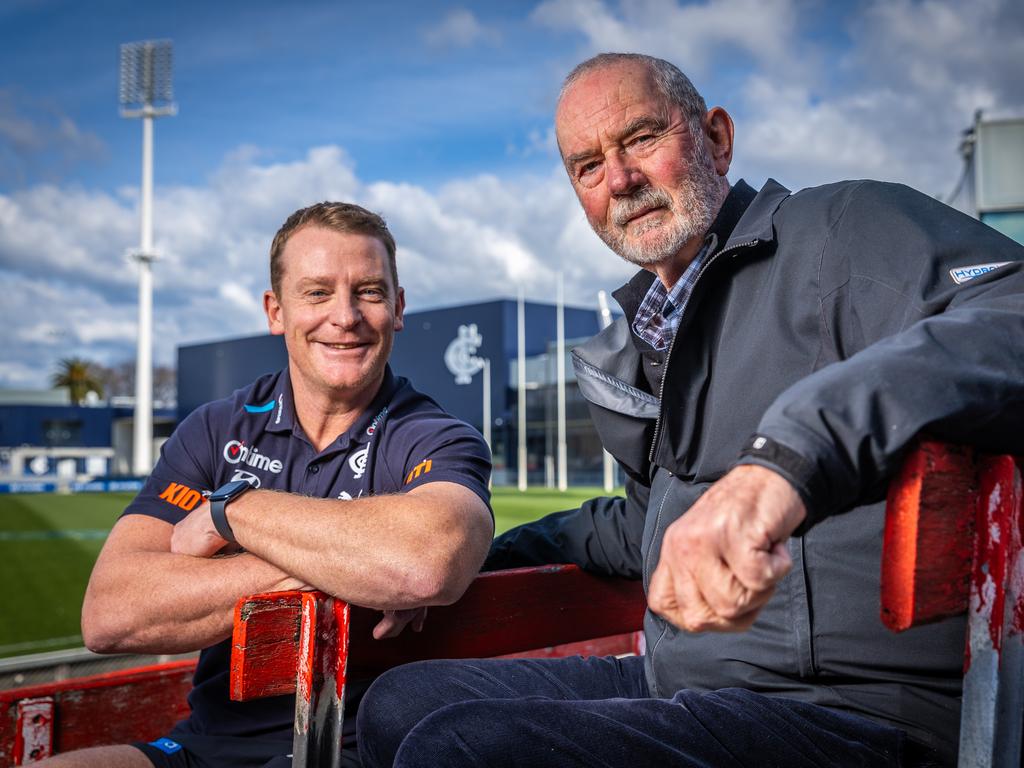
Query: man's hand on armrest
x,y
395,621
720,561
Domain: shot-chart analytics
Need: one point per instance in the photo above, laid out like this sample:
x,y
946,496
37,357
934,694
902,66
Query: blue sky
x,y
437,114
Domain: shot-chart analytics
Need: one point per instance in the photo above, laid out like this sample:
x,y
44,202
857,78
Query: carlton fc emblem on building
x,y
460,357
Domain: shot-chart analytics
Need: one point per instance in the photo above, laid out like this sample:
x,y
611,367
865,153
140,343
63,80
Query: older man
x,y
778,354
332,473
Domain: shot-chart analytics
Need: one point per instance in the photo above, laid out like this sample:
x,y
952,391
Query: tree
x,y
118,380
79,377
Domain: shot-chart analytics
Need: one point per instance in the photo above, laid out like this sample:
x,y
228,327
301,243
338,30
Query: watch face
x,y
230,490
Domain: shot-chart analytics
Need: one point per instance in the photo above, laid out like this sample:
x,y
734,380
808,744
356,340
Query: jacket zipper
x,y
660,400
668,356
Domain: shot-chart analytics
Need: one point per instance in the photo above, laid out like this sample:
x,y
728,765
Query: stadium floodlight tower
x,y
145,91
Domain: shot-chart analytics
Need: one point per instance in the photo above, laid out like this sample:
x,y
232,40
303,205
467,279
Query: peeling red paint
x,y
997,545
1017,563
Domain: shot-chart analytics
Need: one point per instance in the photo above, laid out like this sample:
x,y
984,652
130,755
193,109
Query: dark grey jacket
x,y
830,323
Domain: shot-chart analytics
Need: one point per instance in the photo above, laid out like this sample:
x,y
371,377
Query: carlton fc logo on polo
x,y
460,357
357,462
237,452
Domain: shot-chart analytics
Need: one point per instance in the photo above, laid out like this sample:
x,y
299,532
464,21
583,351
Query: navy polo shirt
x,y
402,441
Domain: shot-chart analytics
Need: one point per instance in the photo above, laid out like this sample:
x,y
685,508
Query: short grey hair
x,y
668,78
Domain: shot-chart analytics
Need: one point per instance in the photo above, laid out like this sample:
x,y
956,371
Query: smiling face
x,y
647,180
338,311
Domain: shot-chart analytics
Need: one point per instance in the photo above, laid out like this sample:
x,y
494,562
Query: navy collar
x,y
281,418
371,419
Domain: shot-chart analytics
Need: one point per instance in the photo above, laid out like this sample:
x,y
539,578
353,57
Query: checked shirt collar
x,y
661,310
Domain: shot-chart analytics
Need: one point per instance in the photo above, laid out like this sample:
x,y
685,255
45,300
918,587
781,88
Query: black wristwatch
x,y
218,505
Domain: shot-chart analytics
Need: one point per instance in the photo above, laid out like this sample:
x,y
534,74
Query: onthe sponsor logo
x,y
181,496
249,477
420,469
357,461
236,452
963,274
460,356
377,420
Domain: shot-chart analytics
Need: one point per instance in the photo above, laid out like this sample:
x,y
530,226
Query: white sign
x,y
460,357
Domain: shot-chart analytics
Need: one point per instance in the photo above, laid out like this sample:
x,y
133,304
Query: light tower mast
x,y
145,91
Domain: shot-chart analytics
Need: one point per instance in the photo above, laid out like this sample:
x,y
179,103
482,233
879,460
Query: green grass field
x,y
49,542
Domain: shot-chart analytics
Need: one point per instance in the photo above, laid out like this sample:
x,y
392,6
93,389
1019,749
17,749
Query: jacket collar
x,y
745,216
755,223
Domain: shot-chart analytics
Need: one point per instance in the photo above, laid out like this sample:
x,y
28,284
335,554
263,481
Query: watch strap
x,y
218,513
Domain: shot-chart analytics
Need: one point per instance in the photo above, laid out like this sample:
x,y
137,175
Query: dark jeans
x,y
598,712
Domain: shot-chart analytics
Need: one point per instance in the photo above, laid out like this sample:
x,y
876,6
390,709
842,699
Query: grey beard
x,y
692,212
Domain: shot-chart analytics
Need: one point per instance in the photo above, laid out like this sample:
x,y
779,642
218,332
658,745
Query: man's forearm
x,y
390,552
158,602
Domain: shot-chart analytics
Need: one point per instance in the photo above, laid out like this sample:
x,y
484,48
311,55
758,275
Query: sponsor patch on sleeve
x,y
181,496
420,469
963,274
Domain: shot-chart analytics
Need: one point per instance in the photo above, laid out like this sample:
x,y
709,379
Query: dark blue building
x,y
65,432
441,351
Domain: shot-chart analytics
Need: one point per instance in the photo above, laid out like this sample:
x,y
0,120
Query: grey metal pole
x,y
521,386
609,462
142,453
145,91
563,468
487,402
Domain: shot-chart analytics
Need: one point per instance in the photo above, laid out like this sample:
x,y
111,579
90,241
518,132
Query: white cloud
x,y
692,36
73,291
887,99
459,29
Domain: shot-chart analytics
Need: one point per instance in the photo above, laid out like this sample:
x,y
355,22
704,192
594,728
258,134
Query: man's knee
x,y
469,733
389,710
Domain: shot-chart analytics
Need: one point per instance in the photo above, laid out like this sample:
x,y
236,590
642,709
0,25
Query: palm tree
x,y
79,377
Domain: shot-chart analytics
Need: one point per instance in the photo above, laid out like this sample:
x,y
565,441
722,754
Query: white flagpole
x,y
563,467
521,370
609,462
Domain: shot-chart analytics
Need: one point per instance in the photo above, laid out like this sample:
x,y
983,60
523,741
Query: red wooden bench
x,y
114,708
311,641
952,544
311,644
954,524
